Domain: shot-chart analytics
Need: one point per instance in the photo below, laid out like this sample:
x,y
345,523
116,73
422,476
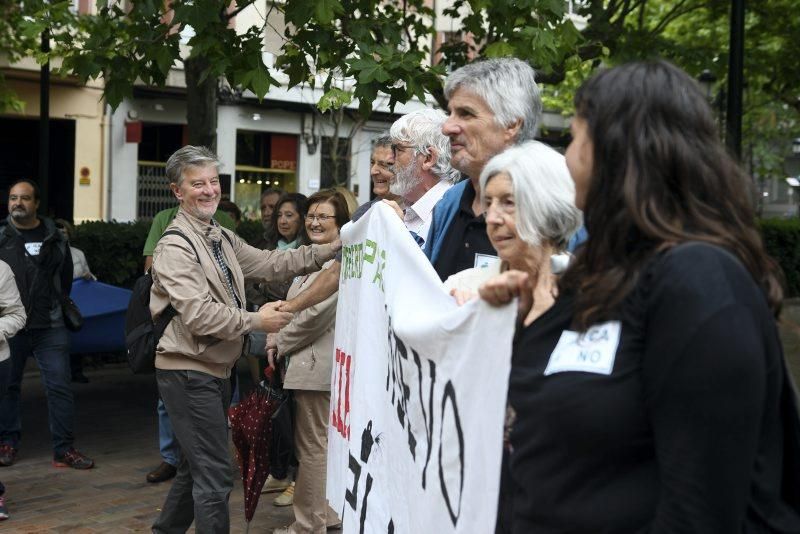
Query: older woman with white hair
x,y
529,200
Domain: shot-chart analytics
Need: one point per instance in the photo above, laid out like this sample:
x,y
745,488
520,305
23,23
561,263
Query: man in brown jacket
x,y
203,279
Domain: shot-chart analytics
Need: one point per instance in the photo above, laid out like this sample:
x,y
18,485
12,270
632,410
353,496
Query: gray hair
x,y
188,156
422,129
271,191
544,193
508,86
384,140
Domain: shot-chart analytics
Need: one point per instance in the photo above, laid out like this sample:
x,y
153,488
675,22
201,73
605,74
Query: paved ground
x,y
117,426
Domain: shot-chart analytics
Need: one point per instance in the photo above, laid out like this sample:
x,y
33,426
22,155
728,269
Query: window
x,y
335,165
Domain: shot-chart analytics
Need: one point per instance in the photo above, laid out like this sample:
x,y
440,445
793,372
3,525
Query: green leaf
x,y
499,49
262,81
298,12
326,10
164,59
334,99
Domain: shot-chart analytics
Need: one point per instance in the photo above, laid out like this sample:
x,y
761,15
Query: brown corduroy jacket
x,y
207,334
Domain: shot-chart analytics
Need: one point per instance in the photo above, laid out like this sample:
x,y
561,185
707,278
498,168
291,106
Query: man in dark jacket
x,y
40,259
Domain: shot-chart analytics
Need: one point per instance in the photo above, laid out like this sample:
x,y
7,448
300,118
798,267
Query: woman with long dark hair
x,y
653,396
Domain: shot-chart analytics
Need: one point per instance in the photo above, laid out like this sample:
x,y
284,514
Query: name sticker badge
x,y
484,261
33,248
592,351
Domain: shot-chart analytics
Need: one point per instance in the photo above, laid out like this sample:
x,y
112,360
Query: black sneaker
x,y
7,455
74,459
3,509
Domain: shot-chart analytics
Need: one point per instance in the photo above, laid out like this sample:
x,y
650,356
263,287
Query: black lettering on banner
x,y
401,392
426,415
352,496
450,395
364,503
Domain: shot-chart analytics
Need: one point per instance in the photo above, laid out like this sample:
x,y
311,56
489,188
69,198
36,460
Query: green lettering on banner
x,y
378,278
370,256
354,256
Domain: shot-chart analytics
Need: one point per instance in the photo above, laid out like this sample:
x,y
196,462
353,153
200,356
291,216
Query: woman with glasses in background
x,y
307,346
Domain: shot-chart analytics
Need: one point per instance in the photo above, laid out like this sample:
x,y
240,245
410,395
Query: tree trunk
x,y
201,104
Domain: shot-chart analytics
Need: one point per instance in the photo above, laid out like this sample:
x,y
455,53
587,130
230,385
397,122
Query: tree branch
x,y
228,16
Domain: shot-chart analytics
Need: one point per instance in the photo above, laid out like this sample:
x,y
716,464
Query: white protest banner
x,y
418,391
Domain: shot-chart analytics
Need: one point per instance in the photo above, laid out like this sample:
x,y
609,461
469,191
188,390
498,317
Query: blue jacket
x,y
443,214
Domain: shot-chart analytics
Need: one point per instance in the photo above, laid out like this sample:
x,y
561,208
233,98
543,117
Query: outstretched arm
x,y
325,285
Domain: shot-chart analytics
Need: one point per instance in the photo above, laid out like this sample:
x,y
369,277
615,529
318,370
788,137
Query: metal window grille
x,y
152,192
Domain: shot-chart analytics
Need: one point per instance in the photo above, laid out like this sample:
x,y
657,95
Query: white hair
x,y
544,193
422,129
508,86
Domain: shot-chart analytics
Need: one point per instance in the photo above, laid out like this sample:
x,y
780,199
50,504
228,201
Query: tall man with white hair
x,y
421,165
200,269
422,175
493,104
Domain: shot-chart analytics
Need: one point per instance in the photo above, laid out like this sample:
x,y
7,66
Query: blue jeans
x,y
50,347
167,444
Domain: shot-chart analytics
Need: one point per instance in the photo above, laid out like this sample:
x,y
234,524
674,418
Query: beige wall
x,y
83,105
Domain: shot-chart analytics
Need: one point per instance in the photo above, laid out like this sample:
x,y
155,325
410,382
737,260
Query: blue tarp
x,y
103,308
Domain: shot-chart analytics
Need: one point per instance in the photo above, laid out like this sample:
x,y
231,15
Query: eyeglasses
x,y
321,218
397,147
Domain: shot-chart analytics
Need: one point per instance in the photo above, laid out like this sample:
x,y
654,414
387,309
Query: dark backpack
x,y
142,334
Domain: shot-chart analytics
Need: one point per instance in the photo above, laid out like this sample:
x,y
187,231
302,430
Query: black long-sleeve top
x,y
684,434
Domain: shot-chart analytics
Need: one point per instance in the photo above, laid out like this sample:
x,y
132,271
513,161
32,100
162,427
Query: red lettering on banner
x,y
339,421
347,398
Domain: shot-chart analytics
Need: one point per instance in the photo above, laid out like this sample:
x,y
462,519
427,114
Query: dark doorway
x,y
19,157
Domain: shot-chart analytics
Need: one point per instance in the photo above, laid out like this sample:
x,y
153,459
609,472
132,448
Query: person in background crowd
x,y
289,233
269,199
380,168
80,269
653,395
41,261
421,166
12,320
307,346
167,443
232,210
287,220
204,281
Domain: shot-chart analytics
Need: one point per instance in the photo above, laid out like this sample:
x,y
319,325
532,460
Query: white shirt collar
x,y
418,215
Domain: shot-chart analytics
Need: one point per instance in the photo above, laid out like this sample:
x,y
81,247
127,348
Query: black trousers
x,y
197,404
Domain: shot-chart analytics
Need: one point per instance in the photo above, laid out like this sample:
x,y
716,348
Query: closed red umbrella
x,y
251,430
